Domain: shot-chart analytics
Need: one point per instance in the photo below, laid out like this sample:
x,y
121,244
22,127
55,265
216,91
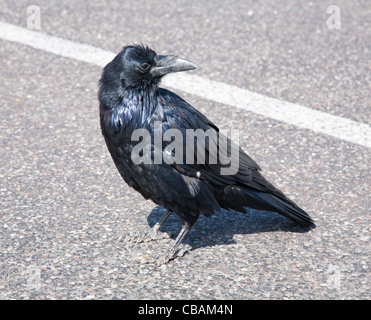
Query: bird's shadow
x,y
223,225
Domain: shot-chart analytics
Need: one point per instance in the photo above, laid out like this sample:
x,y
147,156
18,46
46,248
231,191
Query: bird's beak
x,y
168,64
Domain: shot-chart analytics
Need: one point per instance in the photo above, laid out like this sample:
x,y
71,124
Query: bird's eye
x,y
144,67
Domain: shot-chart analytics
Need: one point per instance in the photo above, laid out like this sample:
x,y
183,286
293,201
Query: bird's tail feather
x,y
287,209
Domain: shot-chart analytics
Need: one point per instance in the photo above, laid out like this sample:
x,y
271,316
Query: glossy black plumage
x,y
130,99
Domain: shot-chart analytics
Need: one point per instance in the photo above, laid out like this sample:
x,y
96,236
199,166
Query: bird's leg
x,y
154,234
158,225
171,253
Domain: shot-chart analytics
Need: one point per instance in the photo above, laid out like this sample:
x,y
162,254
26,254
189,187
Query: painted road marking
x,y
291,113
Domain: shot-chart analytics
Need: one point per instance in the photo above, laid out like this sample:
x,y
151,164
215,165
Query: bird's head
x,y
138,65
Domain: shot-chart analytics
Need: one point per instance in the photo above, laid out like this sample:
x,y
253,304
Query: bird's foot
x,y
163,258
139,237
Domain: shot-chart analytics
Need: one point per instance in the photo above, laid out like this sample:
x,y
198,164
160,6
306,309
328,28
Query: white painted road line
x,y
291,113
58,46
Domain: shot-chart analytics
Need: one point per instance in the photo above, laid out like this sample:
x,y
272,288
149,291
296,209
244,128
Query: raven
x,y
130,98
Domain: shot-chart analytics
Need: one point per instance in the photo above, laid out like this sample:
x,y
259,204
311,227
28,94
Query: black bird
x,y
130,98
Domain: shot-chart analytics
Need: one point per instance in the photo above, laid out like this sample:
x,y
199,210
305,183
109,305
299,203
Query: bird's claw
x,y
162,259
140,237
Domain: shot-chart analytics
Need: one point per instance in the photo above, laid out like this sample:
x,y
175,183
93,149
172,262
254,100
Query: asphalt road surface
x,y
64,206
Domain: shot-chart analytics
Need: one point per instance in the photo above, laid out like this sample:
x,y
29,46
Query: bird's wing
x,y
178,114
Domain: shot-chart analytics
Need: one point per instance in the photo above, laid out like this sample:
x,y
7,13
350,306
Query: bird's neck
x,y
141,100
127,109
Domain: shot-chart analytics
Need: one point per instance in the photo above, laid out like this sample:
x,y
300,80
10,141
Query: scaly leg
x,y
158,225
170,254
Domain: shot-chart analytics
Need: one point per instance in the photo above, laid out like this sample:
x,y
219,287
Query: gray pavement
x,y
64,206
